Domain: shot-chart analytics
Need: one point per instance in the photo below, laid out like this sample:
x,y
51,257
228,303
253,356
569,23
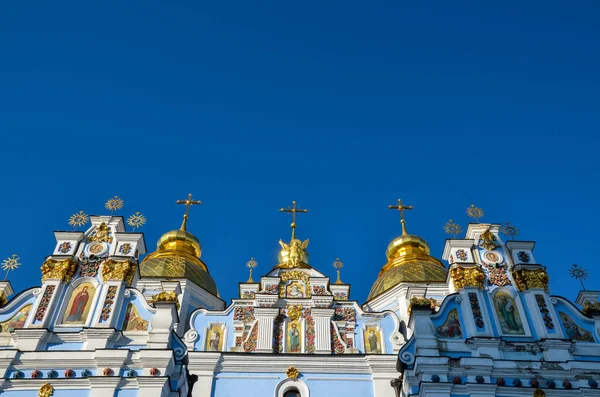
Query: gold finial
x,y
578,273
11,263
189,202
78,219
292,373
115,203
293,211
46,390
401,208
136,220
475,212
251,264
509,230
452,228
338,264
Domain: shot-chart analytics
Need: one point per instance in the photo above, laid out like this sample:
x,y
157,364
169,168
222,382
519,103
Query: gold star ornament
x,y
11,263
475,212
452,228
136,220
78,219
115,203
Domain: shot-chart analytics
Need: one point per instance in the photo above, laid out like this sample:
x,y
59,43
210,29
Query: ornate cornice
x,y
463,276
530,277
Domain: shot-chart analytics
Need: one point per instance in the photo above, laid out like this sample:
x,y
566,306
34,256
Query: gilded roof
x,y
178,256
410,272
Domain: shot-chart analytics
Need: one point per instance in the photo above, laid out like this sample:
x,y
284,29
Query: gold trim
x,y
165,296
118,270
467,277
101,234
292,373
295,275
58,270
294,312
539,393
531,278
46,390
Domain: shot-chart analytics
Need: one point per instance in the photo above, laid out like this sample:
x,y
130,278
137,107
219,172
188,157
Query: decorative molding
x,y
118,270
463,276
528,278
61,270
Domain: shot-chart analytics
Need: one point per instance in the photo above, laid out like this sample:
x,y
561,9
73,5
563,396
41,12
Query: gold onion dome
x,y
408,261
178,256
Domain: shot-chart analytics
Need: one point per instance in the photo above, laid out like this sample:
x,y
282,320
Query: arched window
x,y
292,393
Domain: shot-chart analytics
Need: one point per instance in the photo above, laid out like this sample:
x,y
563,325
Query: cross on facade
x,y
401,208
188,203
293,211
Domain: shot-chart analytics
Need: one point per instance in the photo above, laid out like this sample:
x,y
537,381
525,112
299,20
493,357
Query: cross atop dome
x,y
401,208
188,203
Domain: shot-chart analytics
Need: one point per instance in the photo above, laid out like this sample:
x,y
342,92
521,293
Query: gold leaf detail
x,y
102,234
531,278
58,270
46,390
467,277
118,270
292,373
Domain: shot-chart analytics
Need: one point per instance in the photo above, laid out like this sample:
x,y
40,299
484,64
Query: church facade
x,y
105,322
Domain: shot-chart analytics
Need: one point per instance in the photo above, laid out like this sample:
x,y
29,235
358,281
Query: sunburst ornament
x,y
578,273
136,220
338,265
475,212
78,219
115,203
509,231
251,264
452,228
11,263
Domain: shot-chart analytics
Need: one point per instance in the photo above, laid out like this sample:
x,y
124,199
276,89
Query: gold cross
x,y
188,203
293,210
401,208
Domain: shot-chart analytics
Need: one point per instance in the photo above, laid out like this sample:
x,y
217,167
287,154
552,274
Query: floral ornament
x,y
292,373
462,255
69,373
452,228
593,384
154,371
578,273
36,374
475,212
125,249
131,373
509,231
435,378
524,257
46,390
517,382
108,372
534,383
136,220
567,384
11,263
86,373
65,247
115,203
551,384
479,379
78,219
18,375
500,382
52,374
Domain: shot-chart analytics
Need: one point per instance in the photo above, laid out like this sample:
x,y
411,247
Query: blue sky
x,y
342,106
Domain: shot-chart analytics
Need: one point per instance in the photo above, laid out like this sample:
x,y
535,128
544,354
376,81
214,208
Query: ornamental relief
x,y
58,270
527,279
467,277
118,270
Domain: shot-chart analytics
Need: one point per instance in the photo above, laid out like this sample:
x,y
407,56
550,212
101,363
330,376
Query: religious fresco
x,y
508,314
16,321
215,338
573,331
79,305
451,327
373,343
133,321
294,337
295,289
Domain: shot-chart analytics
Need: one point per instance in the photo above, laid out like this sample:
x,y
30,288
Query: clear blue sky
x,y
342,106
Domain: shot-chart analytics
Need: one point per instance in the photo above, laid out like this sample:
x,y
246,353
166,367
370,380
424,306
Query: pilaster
x,y
322,329
162,324
266,318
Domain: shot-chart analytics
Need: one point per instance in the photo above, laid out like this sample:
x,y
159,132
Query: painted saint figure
x,y
295,290
450,328
215,338
294,335
78,306
508,312
373,342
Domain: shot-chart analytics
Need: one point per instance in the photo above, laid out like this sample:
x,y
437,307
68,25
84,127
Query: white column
x,y
266,317
322,329
162,323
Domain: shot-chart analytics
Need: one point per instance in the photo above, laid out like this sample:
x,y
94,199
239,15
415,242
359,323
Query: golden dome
x,y
408,262
178,256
